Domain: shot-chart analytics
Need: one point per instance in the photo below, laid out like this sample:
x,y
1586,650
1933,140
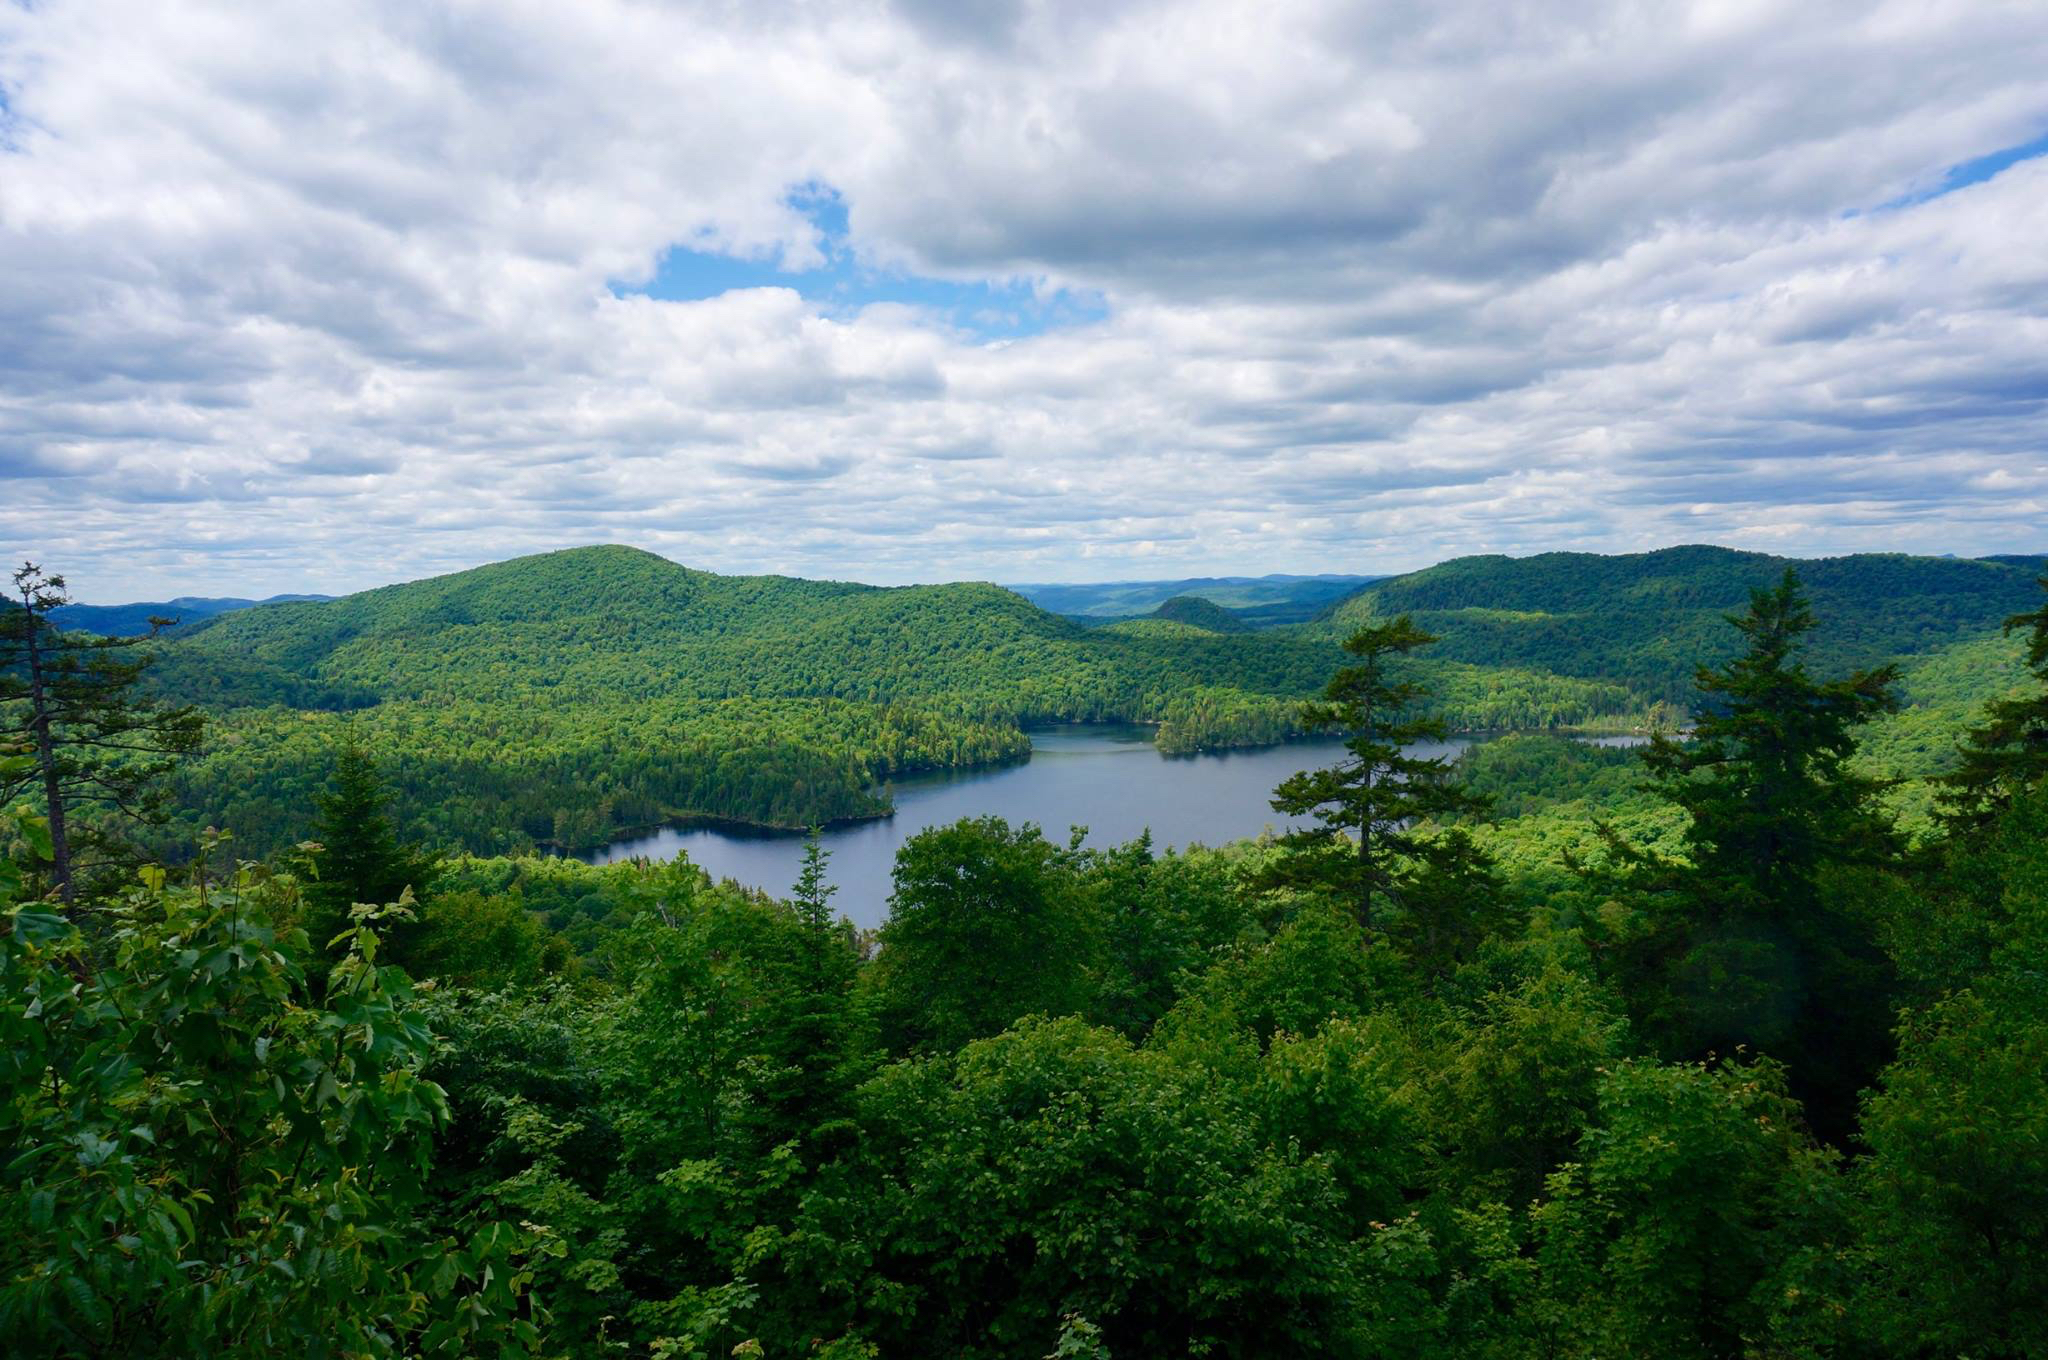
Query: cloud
x,y
315,296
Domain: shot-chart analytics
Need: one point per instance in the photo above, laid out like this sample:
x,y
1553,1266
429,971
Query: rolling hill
x,y
567,698
1198,612
562,698
1646,620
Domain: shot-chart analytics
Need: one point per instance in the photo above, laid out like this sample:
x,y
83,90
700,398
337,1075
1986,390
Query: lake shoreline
x,y
748,828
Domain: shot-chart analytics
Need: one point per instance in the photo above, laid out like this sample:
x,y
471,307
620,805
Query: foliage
x,y
1070,1101
99,747
982,931
205,1160
359,858
1369,844
2007,756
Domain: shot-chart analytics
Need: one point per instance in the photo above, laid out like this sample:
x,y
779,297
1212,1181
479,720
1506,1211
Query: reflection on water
x,y
1106,777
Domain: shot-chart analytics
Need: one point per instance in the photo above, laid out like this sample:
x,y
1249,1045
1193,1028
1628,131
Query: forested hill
x,y
566,698
1198,612
1646,620
603,623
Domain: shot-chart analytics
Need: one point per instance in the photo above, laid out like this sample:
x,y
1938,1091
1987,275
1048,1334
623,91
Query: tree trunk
x,y
46,755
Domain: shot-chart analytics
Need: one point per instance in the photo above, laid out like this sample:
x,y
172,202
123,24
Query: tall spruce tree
x,y
1745,945
360,858
2006,756
1764,775
1369,844
69,699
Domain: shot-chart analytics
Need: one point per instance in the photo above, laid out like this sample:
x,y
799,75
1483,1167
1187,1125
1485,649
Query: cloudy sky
x,y
318,296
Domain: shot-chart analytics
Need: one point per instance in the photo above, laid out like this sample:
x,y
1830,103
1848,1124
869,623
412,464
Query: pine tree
x,y
1369,845
1764,776
69,700
2006,756
1744,943
813,894
360,858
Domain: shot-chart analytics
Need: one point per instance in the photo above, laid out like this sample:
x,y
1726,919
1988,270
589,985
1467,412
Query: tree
x,y
982,929
1369,844
205,1159
1764,776
2007,755
360,859
69,699
813,895
1746,945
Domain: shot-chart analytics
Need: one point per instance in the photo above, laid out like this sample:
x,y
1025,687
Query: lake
x,y
1106,777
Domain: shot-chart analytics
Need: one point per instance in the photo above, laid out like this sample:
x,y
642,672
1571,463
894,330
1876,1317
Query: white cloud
x,y
317,296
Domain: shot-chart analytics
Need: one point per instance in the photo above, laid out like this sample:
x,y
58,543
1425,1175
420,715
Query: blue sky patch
x,y
1975,171
997,309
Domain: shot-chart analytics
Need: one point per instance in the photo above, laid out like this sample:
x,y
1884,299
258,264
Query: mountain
x,y
1200,613
563,698
130,620
568,698
1646,620
606,623
1259,601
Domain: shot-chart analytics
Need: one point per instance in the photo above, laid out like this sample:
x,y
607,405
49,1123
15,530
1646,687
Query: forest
x,y
571,699
1735,1045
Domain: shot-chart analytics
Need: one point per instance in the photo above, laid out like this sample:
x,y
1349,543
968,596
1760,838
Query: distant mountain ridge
x,y
130,620
1257,601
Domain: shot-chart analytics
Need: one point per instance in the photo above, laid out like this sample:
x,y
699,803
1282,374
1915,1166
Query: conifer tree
x,y
2007,755
813,1087
1745,945
69,699
360,858
1764,775
1367,844
813,894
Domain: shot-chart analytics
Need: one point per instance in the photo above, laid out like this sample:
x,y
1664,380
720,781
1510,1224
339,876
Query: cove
x,y
1106,777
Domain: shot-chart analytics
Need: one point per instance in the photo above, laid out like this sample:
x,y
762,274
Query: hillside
x,y
1197,612
1645,620
599,624
566,698
562,698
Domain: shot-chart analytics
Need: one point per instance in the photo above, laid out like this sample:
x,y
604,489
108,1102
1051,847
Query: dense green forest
x,y
1560,1051
1645,620
567,699
561,700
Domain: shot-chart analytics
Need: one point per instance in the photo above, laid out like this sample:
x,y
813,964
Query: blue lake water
x,y
1108,778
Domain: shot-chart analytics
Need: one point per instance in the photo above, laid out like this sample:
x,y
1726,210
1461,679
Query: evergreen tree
x,y
360,858
1764,776
1369,845
818,1042
1746,945
813,895
2007,755
69,700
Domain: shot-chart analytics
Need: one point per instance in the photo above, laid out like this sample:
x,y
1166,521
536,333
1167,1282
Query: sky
x,y
317,296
